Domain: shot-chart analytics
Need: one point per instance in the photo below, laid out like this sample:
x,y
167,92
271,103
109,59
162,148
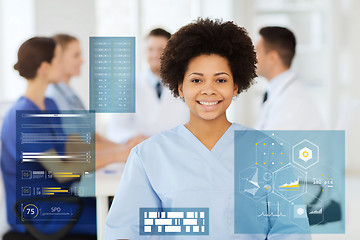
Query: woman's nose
x,y
208,88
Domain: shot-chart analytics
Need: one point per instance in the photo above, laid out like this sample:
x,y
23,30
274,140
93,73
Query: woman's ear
x,y
236,89
180,90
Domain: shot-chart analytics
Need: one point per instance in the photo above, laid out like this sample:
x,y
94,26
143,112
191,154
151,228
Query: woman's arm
x,y
135,191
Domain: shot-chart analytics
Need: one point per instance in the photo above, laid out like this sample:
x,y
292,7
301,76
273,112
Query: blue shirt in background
x,y
64,97
8,168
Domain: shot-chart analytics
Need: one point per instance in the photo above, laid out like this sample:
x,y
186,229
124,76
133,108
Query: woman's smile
x,y
208,87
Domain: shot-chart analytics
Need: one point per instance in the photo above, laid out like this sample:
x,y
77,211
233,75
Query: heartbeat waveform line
x,y
272,214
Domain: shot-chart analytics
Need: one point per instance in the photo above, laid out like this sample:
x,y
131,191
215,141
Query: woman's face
x,y
71,59
208,87
54,70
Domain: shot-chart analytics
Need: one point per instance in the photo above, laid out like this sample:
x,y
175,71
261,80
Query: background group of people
x,y
48,65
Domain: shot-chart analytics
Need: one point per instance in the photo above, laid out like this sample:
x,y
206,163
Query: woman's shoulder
x,y
21,104
161,139
24,104
9,120
50,104
237,126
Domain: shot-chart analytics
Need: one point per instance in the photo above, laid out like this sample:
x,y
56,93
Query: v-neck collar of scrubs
x,y
219,146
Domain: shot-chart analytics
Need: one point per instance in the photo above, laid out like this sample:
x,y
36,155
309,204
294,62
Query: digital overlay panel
x,y
174,221
112,74
54,151
291,182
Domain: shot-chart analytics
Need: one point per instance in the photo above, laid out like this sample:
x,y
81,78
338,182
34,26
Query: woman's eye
x,y
221,80
195,80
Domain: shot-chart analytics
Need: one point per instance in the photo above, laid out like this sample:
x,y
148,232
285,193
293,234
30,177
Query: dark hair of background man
x,y
159,32
282,40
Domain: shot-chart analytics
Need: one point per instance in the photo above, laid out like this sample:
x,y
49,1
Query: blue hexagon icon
x,y
305,154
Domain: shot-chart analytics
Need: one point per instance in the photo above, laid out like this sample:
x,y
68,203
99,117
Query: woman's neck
x,y
35,91
208,131
66,79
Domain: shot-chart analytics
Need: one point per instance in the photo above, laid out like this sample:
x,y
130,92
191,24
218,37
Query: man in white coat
x,y
287,104
156,109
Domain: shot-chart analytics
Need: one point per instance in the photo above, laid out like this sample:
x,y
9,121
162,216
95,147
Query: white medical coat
x,y
289,106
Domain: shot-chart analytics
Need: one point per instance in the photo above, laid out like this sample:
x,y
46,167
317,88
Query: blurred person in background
x,y
287,105
156,109
66,99
71,61
39,63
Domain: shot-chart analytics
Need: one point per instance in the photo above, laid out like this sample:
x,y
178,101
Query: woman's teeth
x,y
208,103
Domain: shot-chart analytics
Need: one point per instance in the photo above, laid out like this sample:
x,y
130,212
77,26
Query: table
x,y
107,181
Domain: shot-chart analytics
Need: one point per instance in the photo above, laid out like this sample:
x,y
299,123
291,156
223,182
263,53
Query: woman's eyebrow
x,y
201,74
220,73
196,73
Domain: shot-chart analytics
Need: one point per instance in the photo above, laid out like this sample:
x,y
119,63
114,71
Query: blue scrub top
x,y
174,169
8,168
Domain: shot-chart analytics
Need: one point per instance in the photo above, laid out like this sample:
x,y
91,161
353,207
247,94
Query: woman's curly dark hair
x,y
206,36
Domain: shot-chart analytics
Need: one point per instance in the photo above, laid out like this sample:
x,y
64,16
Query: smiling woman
x,y
208,89
206,63
209,37
208,86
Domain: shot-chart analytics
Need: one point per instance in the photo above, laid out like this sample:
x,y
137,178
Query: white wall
x,y
348,85
72,17
1,46
45,18
16,25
